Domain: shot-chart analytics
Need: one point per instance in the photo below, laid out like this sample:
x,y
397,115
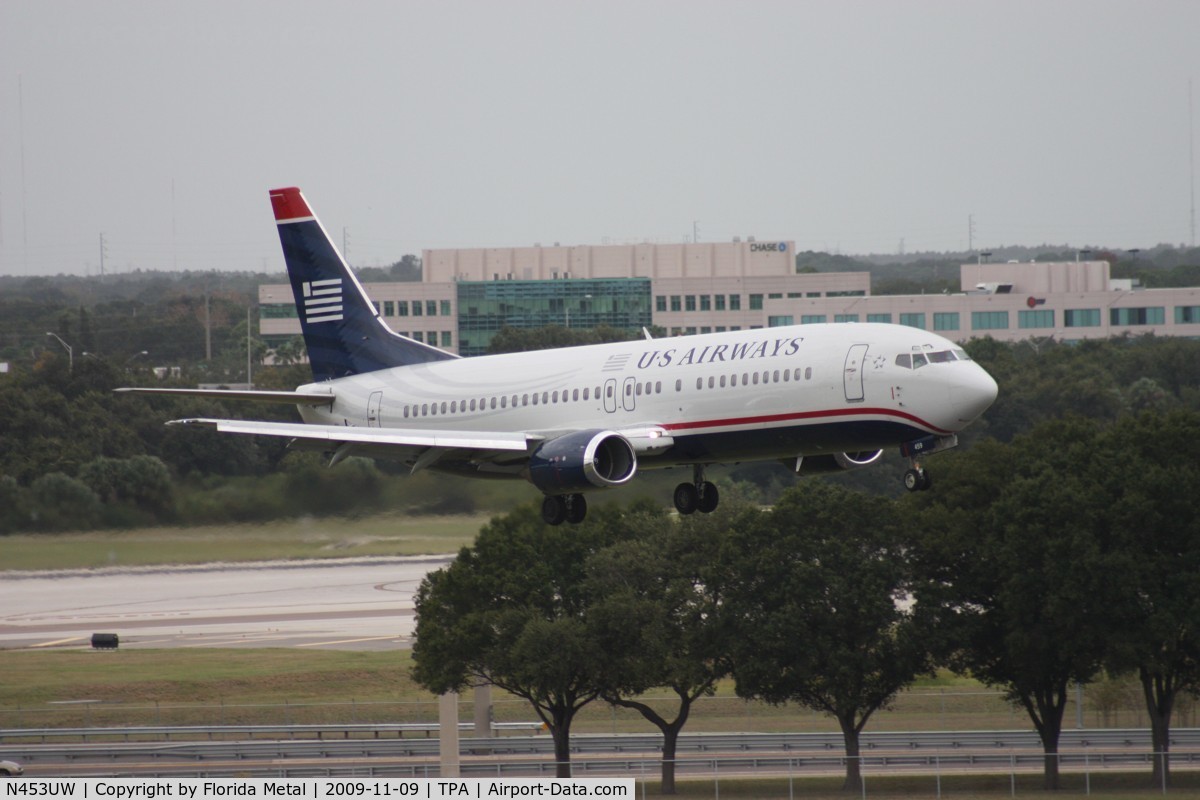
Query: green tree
x,y
1015,553
813,591
511,611
60,503
668,584
1153,481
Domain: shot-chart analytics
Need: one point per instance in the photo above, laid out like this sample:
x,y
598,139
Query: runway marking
x,y
349,641
60,641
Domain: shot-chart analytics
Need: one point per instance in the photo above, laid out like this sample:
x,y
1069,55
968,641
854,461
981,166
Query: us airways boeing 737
x,y
581,419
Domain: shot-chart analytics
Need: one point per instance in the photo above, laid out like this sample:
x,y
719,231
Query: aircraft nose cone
x,y
973,396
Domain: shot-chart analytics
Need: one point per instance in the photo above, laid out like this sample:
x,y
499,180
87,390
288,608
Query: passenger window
x,y
808,373
904,360
585,393
678,385
699,383
711,381
658,387
443,407
776,376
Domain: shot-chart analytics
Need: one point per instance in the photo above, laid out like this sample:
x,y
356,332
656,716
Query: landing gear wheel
x,y
554,510
687,499
576,508
709,498
917,480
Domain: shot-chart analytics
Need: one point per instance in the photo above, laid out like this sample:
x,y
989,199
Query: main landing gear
x,y
560,508
699,495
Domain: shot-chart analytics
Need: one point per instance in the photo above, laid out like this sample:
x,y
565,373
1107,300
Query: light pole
x,y
70,352
136,355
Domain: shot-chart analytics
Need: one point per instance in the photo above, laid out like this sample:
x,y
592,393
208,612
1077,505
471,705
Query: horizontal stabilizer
x,y
286,398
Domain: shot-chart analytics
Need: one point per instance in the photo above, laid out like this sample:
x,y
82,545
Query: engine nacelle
x,y
580,461
835,462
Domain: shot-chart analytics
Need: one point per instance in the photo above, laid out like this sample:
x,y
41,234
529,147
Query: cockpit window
x,y
962,355
940,356
919,360
904,360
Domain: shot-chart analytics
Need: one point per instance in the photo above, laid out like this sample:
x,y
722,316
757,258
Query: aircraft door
x,y
629,394
373,404
852,376
610,395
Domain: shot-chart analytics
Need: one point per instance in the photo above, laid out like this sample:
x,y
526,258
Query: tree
x,y
1015,553
813,591
668,581
1156,524
511,611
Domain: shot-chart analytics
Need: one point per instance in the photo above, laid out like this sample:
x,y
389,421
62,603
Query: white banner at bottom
x,y
313,788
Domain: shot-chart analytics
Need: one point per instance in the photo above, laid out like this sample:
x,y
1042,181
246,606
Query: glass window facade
x,y
989,320
913,320
1040,318
1185,315
487,306
1154,315
879,318
945,321
1081,318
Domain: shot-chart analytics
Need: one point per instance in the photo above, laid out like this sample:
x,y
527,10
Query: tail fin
x,y
342,330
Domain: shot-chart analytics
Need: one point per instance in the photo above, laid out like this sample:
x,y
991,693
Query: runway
x,y
358,604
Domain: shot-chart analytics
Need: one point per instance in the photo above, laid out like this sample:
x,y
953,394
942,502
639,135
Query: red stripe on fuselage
x,y
799,416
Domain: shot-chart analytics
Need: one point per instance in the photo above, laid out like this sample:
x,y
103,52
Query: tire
x,y
686,499
554,510
576,509
914,480
709,499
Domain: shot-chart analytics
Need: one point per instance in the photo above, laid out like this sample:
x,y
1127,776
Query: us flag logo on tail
x,y
323,300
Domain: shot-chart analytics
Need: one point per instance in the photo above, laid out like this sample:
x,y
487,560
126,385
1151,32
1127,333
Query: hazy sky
x,y
845,126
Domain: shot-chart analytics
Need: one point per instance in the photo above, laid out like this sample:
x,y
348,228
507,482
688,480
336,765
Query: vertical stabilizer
x,y
343,332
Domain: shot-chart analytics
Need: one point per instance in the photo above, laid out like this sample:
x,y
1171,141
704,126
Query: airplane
x,y
575,420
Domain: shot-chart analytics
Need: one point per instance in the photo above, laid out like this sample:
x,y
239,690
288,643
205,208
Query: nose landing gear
x,y
699,495
916,479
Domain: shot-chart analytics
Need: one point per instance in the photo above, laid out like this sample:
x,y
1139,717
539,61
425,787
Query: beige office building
x,y
467,295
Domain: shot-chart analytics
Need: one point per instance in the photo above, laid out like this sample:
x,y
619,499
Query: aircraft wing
x,y
402,437
418,447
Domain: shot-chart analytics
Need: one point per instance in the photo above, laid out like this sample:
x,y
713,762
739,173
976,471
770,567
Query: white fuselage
x,y
763,393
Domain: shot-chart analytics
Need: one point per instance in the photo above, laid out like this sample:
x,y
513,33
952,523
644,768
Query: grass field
x,y
309,537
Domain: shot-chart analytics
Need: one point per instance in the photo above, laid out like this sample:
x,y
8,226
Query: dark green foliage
x,y
511,611
812,593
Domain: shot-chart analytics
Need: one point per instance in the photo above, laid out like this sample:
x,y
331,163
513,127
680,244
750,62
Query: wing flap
x,y
396,437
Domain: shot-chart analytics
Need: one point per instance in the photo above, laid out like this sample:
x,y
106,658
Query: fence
x,y
1103,707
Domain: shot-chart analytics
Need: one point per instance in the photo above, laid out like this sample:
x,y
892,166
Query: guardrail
x,y
915,745
212,732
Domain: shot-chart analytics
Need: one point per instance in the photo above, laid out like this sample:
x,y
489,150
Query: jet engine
x,y
834,462
581,461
